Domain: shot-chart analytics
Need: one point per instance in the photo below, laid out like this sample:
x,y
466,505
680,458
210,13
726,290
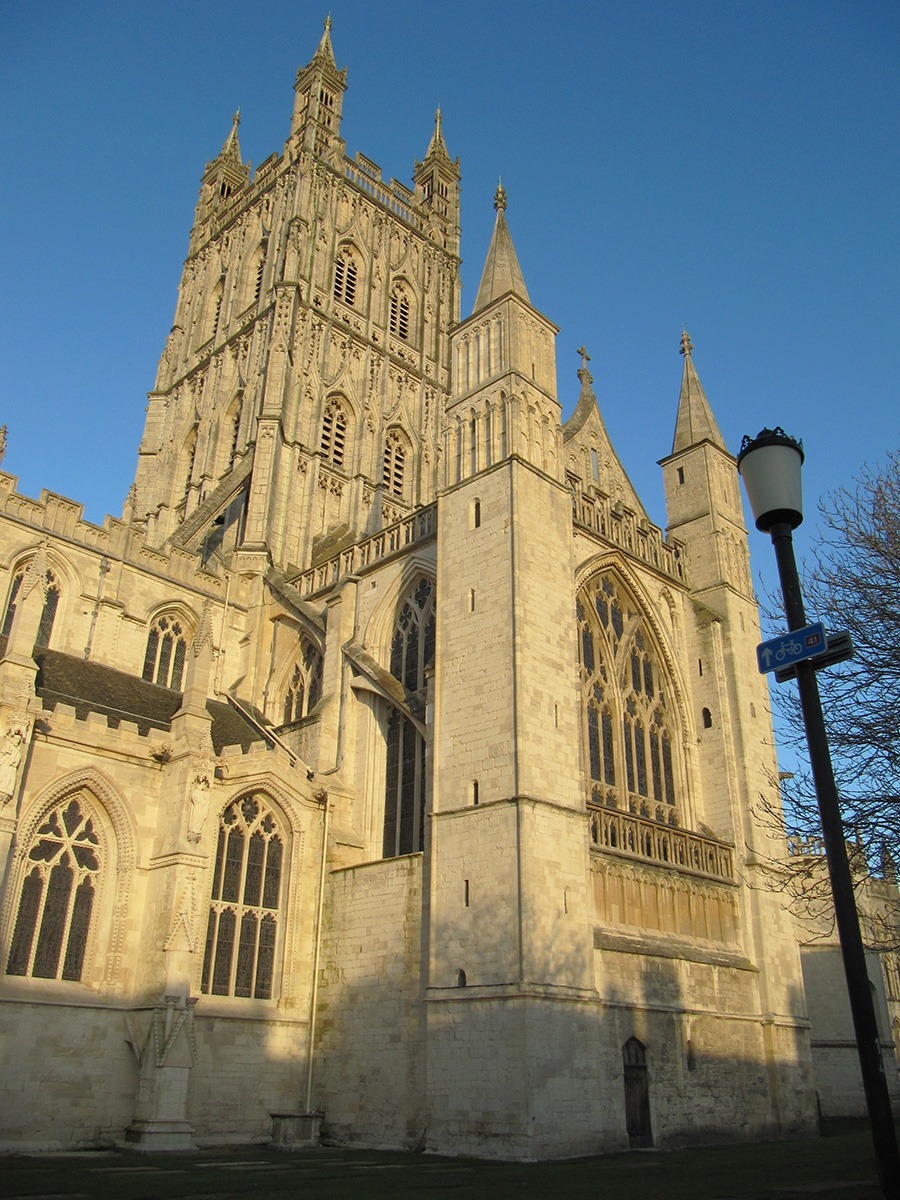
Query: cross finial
x,y
583,373
500,197
236,119
328,23
686,344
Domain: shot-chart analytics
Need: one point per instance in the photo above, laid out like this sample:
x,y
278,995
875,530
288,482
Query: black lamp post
x,y
769,465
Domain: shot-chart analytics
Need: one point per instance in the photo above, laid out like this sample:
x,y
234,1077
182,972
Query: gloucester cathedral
x,y
383,773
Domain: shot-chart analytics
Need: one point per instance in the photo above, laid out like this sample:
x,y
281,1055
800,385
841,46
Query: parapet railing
x,y
625,529
635,837
416,527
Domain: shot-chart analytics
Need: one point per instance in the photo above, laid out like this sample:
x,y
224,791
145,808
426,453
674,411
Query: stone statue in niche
x,y
199,798
11,751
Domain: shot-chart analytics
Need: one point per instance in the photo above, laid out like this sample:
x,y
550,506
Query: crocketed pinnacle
x,y
232,147
324,49
695,422
502,272
437,146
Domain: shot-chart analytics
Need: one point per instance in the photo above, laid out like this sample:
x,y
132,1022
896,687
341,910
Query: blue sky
x,y
724,165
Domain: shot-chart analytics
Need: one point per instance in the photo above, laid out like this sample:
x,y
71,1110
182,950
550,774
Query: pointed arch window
x,y
399,313
334,433
394,464
50,587
304,684
53,922
412,653
345,278
628,718
244,911
167,644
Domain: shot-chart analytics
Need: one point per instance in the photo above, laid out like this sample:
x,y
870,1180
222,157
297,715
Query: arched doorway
x,y
637,1095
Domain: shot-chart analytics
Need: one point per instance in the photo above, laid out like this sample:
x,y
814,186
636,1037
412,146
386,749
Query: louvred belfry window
x,y
241,934
394,464
345,273
56,901
399,314
334,433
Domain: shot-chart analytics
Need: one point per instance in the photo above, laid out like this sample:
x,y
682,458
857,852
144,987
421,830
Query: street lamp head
x,y
769,465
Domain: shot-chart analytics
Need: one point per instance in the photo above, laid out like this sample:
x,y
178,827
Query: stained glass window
x,y
53,922
412,653
239,957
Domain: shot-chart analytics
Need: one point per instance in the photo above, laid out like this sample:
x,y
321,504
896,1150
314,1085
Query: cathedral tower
x,y
300,392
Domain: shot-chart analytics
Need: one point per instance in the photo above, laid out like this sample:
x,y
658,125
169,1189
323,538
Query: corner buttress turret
x,y
437,190
225,175
316,121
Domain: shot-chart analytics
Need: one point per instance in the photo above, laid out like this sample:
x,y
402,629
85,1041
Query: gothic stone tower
x,y
308,351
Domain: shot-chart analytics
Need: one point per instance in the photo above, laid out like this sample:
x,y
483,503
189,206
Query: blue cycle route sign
x,y
791,647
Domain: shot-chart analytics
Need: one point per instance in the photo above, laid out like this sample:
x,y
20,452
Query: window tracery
x,y
305,684
412,653
167,644
56,901
241,934
628,718
50,586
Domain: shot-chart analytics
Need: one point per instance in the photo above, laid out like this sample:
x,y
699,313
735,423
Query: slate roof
x,y
95,687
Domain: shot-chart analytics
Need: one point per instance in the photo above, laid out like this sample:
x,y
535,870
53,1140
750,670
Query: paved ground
x,y
838,1166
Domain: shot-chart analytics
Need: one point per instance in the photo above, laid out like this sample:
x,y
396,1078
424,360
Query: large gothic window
x,y
57,898
50,585
627,709
166,649
304,685
239,958
412,653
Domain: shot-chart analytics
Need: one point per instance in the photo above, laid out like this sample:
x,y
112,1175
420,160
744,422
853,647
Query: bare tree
x,y
853,584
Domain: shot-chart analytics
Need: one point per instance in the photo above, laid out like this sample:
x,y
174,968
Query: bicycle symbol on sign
x,y
788,650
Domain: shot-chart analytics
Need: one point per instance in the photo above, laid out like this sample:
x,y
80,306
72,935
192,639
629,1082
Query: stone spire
x,y
437,146
232,148
502,272
695,422
324,51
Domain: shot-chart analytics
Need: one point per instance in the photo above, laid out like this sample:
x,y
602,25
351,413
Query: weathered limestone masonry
x,y
384,767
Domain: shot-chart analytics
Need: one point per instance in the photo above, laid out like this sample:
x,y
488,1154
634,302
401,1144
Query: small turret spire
x,y
502,272
695,422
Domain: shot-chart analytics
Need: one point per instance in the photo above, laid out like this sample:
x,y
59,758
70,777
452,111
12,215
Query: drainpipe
x,y
316,950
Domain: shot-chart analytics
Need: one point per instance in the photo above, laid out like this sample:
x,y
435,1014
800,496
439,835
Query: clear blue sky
x,y
729,165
